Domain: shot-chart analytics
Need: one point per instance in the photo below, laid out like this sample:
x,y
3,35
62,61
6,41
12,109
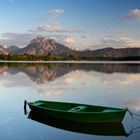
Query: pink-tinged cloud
x,y
122,42
19,39
56,28
133,15
56,12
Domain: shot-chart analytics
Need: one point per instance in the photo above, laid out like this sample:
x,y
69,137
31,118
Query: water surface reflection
x,y
41,73
102,129
115,85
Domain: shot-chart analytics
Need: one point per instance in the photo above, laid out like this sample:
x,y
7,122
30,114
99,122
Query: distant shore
x,y
100,62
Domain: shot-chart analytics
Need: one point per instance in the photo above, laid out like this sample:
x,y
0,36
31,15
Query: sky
x,y
79,24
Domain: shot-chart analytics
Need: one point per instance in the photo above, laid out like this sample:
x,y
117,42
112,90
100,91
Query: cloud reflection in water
x,y
106,84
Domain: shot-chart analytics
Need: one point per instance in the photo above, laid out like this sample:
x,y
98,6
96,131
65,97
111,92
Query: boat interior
x,y
69,107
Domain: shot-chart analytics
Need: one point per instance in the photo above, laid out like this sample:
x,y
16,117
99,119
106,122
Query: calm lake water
x,y
114,85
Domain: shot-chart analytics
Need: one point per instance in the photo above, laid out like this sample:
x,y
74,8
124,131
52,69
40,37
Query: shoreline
x,y
81,62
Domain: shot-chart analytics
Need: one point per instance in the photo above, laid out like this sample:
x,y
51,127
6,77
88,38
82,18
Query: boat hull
x,y
91,117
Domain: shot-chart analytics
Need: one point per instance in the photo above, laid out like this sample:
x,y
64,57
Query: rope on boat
x,y
133,115
134,130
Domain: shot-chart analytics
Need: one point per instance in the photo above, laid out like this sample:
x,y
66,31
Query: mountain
x,y
44,46
13,49
3,50
111,52
41,45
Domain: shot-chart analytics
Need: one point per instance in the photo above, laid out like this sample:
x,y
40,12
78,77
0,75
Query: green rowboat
x,y
78,112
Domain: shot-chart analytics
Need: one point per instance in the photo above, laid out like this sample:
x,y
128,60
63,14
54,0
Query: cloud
x,y
122,42
19,39
22,39
132,15
54,28
115,32
69,40
130,42
65,39
55,12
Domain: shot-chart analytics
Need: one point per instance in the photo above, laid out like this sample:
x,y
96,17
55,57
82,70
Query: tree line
x,y
49,57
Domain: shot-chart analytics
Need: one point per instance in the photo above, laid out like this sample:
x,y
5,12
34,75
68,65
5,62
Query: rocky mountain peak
x,y
42,45
39,39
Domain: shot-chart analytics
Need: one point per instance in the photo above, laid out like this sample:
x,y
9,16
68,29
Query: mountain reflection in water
x,y
41,73
113,85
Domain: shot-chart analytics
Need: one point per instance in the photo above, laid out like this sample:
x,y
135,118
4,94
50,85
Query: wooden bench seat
x,y
78,109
